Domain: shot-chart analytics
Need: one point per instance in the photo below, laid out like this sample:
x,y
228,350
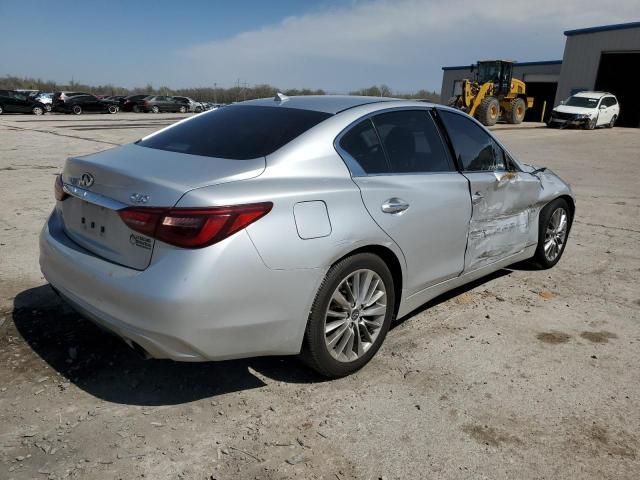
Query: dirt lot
x,y
523,375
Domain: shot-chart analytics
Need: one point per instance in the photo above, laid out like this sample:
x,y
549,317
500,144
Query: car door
x,y
21,103
411,189
165,104
10,103
605,110
91,103
503,199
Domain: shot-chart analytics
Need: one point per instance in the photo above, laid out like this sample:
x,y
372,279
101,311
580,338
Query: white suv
x,y
586,109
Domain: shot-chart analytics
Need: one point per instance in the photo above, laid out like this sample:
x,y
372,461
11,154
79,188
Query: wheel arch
x,y
572,207
390,259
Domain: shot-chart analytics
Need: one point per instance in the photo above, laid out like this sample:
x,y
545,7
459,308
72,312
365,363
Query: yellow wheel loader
x,y
493,95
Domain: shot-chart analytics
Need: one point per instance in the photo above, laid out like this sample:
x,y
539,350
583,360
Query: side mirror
x,y
561,102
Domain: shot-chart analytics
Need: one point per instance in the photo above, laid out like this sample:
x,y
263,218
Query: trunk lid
x,y
105,182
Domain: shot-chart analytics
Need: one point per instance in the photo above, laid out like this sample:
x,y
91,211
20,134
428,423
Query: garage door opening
x,y
618,74
541,92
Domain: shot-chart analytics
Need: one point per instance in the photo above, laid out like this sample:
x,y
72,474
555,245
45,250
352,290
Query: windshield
x,y
585,102
240,132
488,72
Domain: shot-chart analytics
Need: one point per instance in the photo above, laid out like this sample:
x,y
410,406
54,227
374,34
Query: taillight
x,y
58,189
193,227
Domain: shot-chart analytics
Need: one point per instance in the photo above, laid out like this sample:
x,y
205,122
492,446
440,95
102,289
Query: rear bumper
x,y
216,303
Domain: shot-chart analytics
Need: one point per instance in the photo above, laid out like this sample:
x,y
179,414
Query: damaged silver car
x,y
298,225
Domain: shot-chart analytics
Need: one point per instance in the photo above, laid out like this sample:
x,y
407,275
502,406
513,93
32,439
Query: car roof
x,y
591,94
320,103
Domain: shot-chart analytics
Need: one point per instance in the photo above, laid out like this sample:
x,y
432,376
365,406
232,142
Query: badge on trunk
x,y
140,241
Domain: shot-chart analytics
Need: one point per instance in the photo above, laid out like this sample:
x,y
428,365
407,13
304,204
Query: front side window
x,y
363,145
412,142
475,150
238,132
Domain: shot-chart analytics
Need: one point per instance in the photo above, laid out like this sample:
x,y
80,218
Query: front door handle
x,y
394,205
476,198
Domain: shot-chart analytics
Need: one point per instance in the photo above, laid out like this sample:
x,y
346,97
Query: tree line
x,y
202,94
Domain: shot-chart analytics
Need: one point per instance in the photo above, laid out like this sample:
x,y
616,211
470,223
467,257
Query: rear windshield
x,y
238,132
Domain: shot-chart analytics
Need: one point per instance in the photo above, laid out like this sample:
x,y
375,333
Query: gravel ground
x,y
525,374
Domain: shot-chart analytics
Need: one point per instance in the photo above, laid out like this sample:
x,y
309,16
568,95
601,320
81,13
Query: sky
x,y
330,44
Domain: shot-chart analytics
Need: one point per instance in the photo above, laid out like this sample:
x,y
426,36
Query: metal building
x,y
603,58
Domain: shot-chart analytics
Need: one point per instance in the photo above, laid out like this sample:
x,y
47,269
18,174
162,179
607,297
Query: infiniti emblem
x,y
86,180
139,198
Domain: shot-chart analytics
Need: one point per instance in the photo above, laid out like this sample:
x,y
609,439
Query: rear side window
x,y
239,132
363,145
475,149
412,142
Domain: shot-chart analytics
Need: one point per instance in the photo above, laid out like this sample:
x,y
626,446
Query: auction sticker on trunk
x,y
140,241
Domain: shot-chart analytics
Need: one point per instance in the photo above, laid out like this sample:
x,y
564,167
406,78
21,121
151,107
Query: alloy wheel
x,y
556,234
355,315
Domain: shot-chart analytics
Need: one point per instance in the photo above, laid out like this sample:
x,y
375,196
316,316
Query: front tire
x,y
112,109
517,112
76,109
591,124
553,231
489,111
350,316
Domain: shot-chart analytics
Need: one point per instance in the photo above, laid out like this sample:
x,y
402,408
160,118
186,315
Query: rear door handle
x,y
476,198
394,205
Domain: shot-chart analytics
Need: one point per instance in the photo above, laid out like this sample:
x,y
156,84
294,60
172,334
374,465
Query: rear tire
x,y
112,109
1,110
182,109
37,110
136,109
612,122
365,322
489,111
155,109
517,112
76,109
553,233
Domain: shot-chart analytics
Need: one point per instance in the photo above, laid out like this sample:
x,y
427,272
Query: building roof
x,y
321,103
602,28
515,64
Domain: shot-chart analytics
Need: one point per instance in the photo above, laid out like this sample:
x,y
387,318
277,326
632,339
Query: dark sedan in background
x,y
84,102
18,102
159,103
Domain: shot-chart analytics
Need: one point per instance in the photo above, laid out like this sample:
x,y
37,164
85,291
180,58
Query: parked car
x,y
79,104
160,103
17,102
586,109
131,103
302,224
192,105
61,97
45,98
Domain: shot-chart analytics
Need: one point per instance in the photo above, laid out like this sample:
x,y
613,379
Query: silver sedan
x,y
299,225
